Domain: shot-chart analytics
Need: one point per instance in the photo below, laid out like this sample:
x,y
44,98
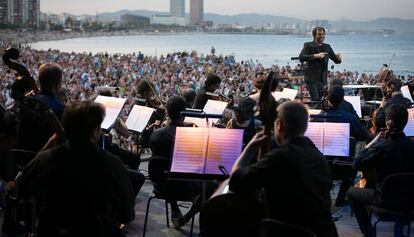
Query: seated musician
x,y
244,119
295,177
146,91
393,94
162,141
389,155
344,105
33,135
80,190
335,97
212,84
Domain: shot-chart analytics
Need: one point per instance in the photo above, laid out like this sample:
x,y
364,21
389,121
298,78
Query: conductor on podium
x,y
317,54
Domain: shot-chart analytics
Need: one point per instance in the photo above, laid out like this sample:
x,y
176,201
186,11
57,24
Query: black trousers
x,y
315,90
358,198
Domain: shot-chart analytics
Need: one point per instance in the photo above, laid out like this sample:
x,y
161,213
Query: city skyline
x,y
318,9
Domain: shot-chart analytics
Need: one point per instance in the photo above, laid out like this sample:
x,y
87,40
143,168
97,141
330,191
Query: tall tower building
x,y
196,12
177,8
3,11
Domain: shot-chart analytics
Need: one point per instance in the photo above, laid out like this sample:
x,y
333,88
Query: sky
x,y
304,9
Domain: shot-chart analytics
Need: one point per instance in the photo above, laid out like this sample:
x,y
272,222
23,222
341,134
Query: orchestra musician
x,y
335,114
80,190
211,84
295,176
146,91
244,119
33,135
389,155
317,55
392,94
162,141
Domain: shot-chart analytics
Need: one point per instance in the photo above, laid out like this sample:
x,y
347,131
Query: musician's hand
x,y
30,93
257,140
339,56
320,55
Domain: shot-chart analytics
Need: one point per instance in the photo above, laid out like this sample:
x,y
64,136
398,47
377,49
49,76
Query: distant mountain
x,y
397,24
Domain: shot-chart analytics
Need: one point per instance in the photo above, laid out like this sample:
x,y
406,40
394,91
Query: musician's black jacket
x,y
397,99
297,183
394,154
342,116
201,99
79,189
316,70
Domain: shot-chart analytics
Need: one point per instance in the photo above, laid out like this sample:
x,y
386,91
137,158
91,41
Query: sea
x,y
365,53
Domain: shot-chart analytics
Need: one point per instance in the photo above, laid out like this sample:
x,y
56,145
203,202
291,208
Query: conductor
x,y
317,55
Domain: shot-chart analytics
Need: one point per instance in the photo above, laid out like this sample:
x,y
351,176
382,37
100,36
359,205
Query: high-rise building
x,y
25,13
3,11
196,12
177,8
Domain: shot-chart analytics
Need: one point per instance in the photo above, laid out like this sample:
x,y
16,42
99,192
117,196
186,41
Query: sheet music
x,y
315,133
224,147
332,139
409,128
214,107
200,122
287,93
361,86
356,103
190,148
113,107
336,139
138,118
314,111
406,93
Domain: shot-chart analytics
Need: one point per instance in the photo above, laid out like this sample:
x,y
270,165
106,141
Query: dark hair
x,y
189,97
81,119
398,115
144,86
212,80
316,29
394,84
245,109
335,95
380,118
50,77
175,105
294,117
337,82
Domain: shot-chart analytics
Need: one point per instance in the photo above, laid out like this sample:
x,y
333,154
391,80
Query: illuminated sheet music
x,y
202,150
336,139
332,139
138,118
113,107
224,147
315,133
409,128
406,93
356,103
190,148
214,107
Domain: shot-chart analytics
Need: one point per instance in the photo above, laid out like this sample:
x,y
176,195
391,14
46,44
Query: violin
x,y
218,96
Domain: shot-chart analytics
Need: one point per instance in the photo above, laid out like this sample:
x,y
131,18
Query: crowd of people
x,y
170,84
